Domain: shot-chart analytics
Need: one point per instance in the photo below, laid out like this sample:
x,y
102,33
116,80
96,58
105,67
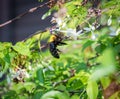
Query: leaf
x,y
75,83
84,76
117,48
21,48
4,46
87,44
116,95
55,95
29,86
38,95
61,87
40,75
11,94
80,66
107,66
46,15
78,81
92,89
105,81
7,58
75,97
100,48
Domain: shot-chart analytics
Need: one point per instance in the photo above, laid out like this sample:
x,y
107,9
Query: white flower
x,y
57,20
117,31
29,68
93,37
92,27
118,20
109,21
8,79
87,29
27,75
64,25
51,68
112,31
72,33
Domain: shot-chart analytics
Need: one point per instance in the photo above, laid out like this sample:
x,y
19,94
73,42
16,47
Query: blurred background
x,y
22,28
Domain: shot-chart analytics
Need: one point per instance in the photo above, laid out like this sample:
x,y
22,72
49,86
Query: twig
x,y
25,13
63,81
73,91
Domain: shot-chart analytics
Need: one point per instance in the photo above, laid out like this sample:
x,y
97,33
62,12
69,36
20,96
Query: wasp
x,y
55,40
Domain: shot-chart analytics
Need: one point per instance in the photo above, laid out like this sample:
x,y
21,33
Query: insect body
x,y
54,41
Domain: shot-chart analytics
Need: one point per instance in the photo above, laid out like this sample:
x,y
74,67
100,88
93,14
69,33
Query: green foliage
x,y
54,95
92,89
21,48
87,65
40,75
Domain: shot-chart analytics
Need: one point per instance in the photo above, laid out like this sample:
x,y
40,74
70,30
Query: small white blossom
x,y
109,21
64,25
8,79
93,37
87,29
27,75
92,27
118,20
59,21
72,33
29,68
112,31
51,68
19,74
117,31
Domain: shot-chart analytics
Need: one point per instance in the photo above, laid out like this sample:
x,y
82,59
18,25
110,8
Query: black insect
x,y
54,41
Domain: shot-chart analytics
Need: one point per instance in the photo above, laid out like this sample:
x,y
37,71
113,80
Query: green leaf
x,y
21,48
107,66
87,44
100,48
55,95
46,15
105,81
29,86
75,82
61,87
38,95
75,97
40,75
5,45
84,76
11,94
92,89
7,58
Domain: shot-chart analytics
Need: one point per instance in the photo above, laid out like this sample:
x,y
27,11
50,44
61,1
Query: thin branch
x,y
73,91
63,81
25,13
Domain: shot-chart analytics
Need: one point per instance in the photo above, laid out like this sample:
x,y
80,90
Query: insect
x,y
54,41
